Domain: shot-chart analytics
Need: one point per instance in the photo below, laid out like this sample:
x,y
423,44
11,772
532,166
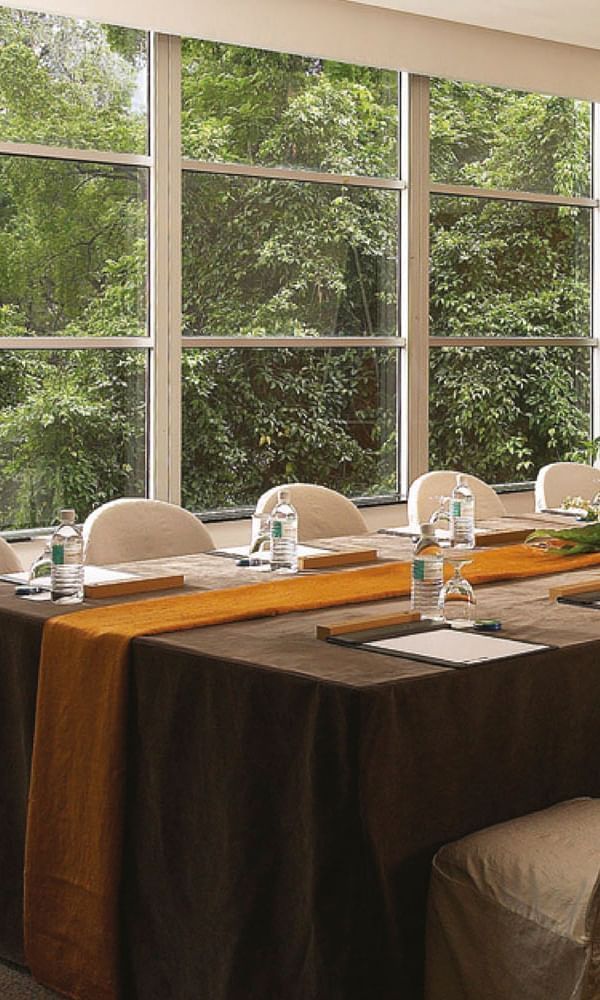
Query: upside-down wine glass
x,y
457,598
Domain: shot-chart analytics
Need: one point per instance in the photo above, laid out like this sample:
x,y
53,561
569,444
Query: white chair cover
x,y
513,910
322,513
9,560
565,479
424,493
127,530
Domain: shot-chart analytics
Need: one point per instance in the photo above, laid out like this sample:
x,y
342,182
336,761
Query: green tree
x,y
508,269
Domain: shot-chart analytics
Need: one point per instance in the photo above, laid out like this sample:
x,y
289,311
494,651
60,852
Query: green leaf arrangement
x,y
567,541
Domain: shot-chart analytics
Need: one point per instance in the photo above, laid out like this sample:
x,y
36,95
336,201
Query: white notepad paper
x,y
453,646
91,574
244,550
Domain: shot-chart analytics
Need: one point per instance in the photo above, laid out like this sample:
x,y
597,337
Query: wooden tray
x,y
338,559
511,535
141,585
572,589
362,625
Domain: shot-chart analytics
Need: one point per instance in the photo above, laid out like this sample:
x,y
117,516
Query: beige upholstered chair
x,y
127,530
565,479
9,560
424,493
322,513
514,910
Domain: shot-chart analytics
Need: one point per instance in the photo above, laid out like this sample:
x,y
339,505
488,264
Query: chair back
x,y
322,513
424,493
565,479
128,530
9,560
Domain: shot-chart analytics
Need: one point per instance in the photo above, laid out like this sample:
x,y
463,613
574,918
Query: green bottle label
x,y
277,529
58,554
419,570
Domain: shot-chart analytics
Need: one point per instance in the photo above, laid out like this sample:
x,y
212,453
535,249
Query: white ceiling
x,y
573,21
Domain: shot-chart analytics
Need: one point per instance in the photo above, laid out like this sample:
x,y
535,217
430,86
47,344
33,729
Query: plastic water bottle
x,y
427,574
66,547
284,534
462,515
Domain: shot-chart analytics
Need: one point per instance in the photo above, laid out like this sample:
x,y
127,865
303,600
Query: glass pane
x,y
281,258
244,105
73,249
509,269
256,417
495,138
72,432
502,413
72,83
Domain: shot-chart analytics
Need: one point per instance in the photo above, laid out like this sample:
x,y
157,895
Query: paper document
x,y
441,533
91,574
449,646
565,511
243,551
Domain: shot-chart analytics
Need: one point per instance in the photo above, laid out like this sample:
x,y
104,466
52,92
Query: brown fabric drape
x,y
75,821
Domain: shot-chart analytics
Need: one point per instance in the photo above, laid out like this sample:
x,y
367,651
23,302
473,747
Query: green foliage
x,y
72,263
567,541
255,417
70,83
508,269
76,433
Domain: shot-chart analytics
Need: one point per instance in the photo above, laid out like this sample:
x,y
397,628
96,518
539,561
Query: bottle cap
x,y
67,516
283,495
428,529
460,479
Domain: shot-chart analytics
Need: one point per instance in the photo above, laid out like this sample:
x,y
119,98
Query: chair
x,y
565,479
514,910
9,560
424,493
127,530
322,513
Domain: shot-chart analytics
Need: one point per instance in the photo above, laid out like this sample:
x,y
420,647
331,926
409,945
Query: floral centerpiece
x,y
567,541
590,509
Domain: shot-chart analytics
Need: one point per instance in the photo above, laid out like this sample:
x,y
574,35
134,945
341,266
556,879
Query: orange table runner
x,y
75,819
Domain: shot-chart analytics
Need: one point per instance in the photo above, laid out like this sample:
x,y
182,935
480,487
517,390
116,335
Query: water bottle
x,y
66,574
427,574
284,534
462,515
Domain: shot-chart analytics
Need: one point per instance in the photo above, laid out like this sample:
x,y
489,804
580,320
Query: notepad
x,y
453,648
243,551
92,575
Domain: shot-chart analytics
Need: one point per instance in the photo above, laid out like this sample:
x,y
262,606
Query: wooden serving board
x,y
508,537
572,589
341,628
338,559
330,559
140,585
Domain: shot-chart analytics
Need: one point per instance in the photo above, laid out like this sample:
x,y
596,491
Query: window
x,y
290,213
73,265
511,238
220,281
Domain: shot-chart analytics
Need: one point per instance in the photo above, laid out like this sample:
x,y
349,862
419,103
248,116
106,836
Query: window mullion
x,y
415,252
595,273
165,243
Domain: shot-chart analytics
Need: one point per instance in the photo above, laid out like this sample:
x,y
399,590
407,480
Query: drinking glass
x,y
457,599
441,514
40,567
259,552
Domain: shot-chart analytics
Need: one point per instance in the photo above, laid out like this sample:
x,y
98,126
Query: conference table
x,y
285,795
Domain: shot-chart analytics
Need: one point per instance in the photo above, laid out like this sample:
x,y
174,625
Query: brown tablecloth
x,y
285,796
